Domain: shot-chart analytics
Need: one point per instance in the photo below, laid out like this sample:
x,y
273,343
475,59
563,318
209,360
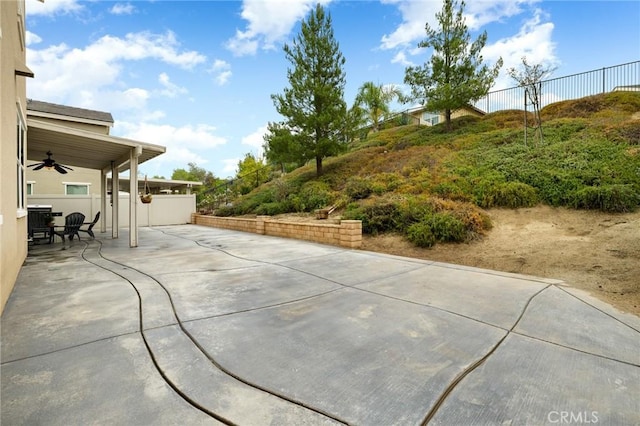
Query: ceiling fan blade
x,y
38,166
66,167
59,169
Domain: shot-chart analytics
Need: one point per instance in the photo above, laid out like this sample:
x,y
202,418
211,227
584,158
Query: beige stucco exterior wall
x,y
13,227
51,182
454,114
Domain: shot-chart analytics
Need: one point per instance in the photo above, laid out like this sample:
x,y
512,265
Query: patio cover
x,y
81,148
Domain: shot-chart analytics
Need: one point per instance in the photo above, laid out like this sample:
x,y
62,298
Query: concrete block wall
x,y
347,234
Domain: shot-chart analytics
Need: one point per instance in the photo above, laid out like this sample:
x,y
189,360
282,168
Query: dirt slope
x,y
593,251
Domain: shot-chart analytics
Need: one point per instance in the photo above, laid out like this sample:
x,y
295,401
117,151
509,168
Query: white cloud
x,y
401,58
122,9
186,144
533,40
412,29
170,90
481,12
52,8
415,14
222,71
66,74
256,140
230,166
268,22
32,38
200,137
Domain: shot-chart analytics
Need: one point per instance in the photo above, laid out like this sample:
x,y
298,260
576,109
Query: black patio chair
x,y
72,224
89,230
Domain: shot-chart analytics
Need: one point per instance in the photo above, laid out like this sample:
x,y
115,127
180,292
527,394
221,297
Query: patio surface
x,y
200,325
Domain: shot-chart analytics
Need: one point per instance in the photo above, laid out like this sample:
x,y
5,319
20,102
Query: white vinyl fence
x,y
172,209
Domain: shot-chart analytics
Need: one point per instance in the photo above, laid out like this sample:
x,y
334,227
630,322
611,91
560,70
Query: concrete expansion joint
x,y
111,265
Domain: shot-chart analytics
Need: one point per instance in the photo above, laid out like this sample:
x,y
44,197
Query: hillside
x,y
422,186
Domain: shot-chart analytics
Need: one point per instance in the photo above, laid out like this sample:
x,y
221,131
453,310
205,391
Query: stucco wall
x,y
13,223
346,234
52,182
174,209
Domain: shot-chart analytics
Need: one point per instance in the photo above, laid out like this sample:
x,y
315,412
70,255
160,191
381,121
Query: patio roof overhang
x,y
81,148
72,146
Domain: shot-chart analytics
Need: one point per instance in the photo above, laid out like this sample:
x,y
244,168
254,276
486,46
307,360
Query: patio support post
x,y
133,196
103,201
115,197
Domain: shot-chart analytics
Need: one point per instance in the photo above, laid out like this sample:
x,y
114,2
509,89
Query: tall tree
x,y
455,76
313,107
374,100
281,148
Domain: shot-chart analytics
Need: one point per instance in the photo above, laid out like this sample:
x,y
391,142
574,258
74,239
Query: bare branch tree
x,y
530,77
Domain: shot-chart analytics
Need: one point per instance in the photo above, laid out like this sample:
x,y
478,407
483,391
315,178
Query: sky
x,y
197,76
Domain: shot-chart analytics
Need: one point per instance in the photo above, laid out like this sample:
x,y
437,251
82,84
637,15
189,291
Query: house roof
x,y
424,108
67,111
77,147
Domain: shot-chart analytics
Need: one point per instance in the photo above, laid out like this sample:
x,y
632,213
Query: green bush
x,y
358,188
273,208
447,228
608,198
508,194
413,210
420,234
312,195
376,218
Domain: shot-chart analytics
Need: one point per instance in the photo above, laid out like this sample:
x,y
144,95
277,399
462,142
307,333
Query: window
x,y
30,186
430,118
20,158
73,188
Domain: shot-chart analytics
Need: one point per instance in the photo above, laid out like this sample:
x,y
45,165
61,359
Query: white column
x,y
115,197
103,201
133,197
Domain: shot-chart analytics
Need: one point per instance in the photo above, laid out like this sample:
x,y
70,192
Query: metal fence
x,y
607,79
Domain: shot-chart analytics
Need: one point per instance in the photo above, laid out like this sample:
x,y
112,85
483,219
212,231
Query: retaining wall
x,y
346,234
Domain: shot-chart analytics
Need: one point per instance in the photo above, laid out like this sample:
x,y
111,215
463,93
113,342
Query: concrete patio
x,y
200,325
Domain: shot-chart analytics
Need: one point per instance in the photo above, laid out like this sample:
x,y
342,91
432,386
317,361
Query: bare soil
x,y
594,251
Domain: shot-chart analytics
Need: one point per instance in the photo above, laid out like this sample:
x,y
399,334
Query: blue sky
x,y
197,76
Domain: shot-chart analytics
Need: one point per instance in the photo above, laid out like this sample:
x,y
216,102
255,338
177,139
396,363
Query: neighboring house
x,y
421,116
630,88
13,149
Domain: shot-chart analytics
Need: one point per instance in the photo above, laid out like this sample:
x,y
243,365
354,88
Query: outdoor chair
x,y
72,224
89,230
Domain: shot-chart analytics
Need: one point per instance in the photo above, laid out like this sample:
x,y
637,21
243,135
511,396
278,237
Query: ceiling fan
x,y
50,163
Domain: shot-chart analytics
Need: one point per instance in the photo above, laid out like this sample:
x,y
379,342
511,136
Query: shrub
x,y
447,228
420,234
273,208
508,194
608,198
358,188
313,195
450,190
375,218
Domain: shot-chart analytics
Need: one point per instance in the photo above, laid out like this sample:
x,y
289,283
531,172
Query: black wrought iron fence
x,y
607,79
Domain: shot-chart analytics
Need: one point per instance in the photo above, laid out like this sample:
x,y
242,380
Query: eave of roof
x,y
81,148
40,107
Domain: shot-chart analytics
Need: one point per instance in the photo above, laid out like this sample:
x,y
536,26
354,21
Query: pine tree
x,y
455,76
313,105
